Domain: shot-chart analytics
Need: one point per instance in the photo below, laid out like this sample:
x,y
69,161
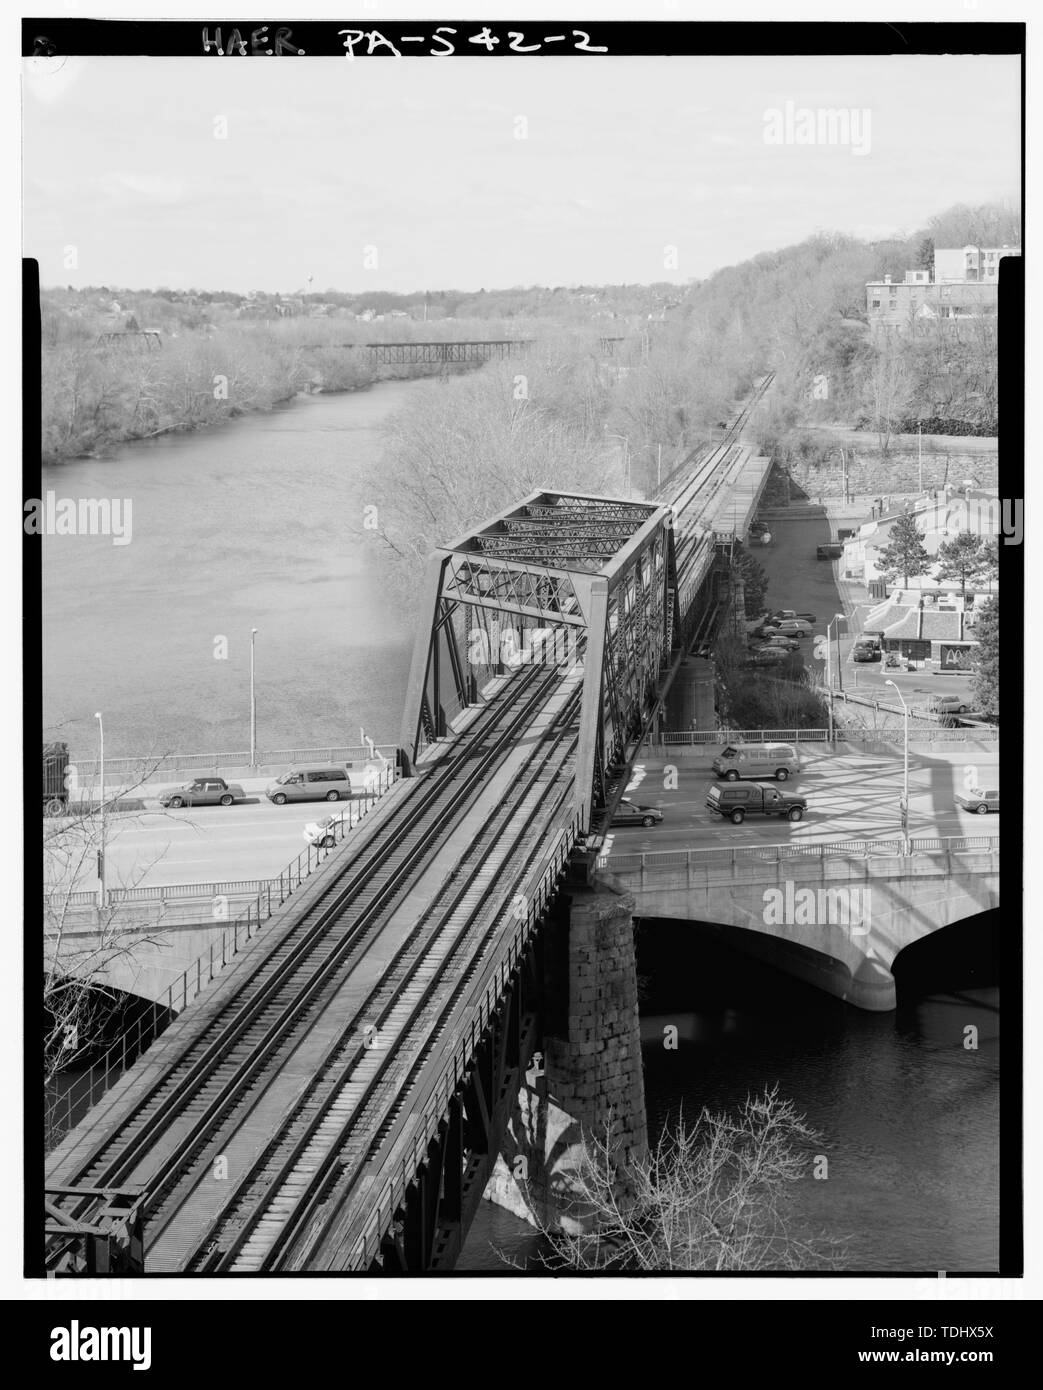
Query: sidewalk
x,y
124,797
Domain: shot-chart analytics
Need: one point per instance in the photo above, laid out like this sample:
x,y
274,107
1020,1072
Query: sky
x,y
410,175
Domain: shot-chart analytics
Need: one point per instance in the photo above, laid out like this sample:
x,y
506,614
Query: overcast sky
x,y
419,159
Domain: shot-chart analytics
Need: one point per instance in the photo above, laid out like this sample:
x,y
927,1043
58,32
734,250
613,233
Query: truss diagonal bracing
x,y
563,580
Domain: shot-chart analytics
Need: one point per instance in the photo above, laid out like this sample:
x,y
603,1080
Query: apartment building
x,y
970,264
963,285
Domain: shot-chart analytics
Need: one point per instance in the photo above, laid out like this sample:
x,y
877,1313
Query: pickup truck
x,y
204,791
735,801
788,614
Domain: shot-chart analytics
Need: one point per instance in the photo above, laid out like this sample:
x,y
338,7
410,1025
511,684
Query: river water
x,y
908,1117
252,525
256,524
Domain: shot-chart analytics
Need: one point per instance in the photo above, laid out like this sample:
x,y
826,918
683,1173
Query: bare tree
x,y
888,391
716,1195
79,1001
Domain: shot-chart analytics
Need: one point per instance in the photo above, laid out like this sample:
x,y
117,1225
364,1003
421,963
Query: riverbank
x,y
95,399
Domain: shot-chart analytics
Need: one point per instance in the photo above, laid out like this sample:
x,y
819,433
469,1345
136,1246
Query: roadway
x,y
852,795
204,844
257,839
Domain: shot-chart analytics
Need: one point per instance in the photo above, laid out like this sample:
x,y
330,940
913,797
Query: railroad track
x,y
312,1166
218,1071
209,1098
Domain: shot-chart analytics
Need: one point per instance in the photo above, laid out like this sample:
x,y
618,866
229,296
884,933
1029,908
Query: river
x,y
255,524
908,1116
251,525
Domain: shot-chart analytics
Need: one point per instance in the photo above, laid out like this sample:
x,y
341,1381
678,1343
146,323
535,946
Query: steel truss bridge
x,y
336,1099
443,353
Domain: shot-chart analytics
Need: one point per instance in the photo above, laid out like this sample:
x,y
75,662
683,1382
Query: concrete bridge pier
x,y
587,1084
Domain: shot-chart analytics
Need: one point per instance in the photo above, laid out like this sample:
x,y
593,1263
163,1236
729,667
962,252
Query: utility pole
x,y
919,450
829,683
253,703
101,772
904,804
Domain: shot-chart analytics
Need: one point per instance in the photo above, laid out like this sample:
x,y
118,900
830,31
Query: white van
x,y
753,760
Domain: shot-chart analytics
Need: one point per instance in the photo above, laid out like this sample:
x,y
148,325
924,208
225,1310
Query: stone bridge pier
x,y
586,1086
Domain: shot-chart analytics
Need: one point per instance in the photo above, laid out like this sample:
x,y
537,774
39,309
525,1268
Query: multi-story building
x,y
964,285
897,306
970,264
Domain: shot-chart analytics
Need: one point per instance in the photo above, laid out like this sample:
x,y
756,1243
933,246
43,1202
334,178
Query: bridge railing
x,y
774,854
489,990
721,736
119,768
700,737
271,893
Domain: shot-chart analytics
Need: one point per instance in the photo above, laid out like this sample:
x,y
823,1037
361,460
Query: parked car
x,y
865,651
324,832
735,803
204,791
767,656
629,813
778,760
979,800
791,627
324,783
783,642
948,704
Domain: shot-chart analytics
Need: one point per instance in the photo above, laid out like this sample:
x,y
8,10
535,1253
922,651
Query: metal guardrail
x,y
773,854
86,768
175,892
691,737
718,736
137,1039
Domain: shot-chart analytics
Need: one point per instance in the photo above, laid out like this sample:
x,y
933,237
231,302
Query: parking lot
x,y
799,581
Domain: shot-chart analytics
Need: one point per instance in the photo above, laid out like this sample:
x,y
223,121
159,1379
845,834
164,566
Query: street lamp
x,y
253,703
837,617
626,458
919,450
905,773
101,774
